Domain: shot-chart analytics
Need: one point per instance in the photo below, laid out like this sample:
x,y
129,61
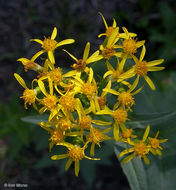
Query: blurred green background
x,y
24,156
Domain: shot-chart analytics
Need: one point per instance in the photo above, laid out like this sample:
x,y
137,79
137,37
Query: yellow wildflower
x,y
50,44
81,64
140,148
142,67
75,153
155,144
29,95
96,136
119,115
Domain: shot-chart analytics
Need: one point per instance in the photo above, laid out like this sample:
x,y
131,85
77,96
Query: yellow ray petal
x,y
54,33
71,55
51,57
99,122
100,35
113,38
86,51
146,133
90,78
105,23
37,40
68,164
50,86
142,53
109,66
37,55
155,62
76,168
42,87
149,81
116,132
155,68
92,149
126,151
128,158
140,43
58,157
20,80
112,91
65,42
114,23
133,86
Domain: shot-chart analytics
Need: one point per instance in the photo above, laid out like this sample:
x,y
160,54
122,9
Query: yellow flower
x,y
140,148
75,154
155,144
110,29
108,50
115,74
50,100
29,95
30,64
119,115
88,88
96,136
50,44
126,133
130,45
81,64
142,67
125,98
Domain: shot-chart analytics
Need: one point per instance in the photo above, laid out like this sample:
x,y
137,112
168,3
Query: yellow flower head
x,y
81,64
85,122
120,116
50,44
65,124
75,153
50,102
57,135
68,102
29,96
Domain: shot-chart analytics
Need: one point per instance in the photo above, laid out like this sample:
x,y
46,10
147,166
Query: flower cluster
x,y
77,103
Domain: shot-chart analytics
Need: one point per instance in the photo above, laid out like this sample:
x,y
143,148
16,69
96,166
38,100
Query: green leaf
x,y
35,119
141,120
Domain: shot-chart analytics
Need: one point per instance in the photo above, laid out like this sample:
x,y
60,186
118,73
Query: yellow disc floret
x,y
129,46
95,136
80,65
126,99
56,75
127,133
120,116
49,44
141,68
108,52
154,143
88,89
85,122
141,149
76,153
50,101
102,101
29,96
68,102
109,30
57,135
65,124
